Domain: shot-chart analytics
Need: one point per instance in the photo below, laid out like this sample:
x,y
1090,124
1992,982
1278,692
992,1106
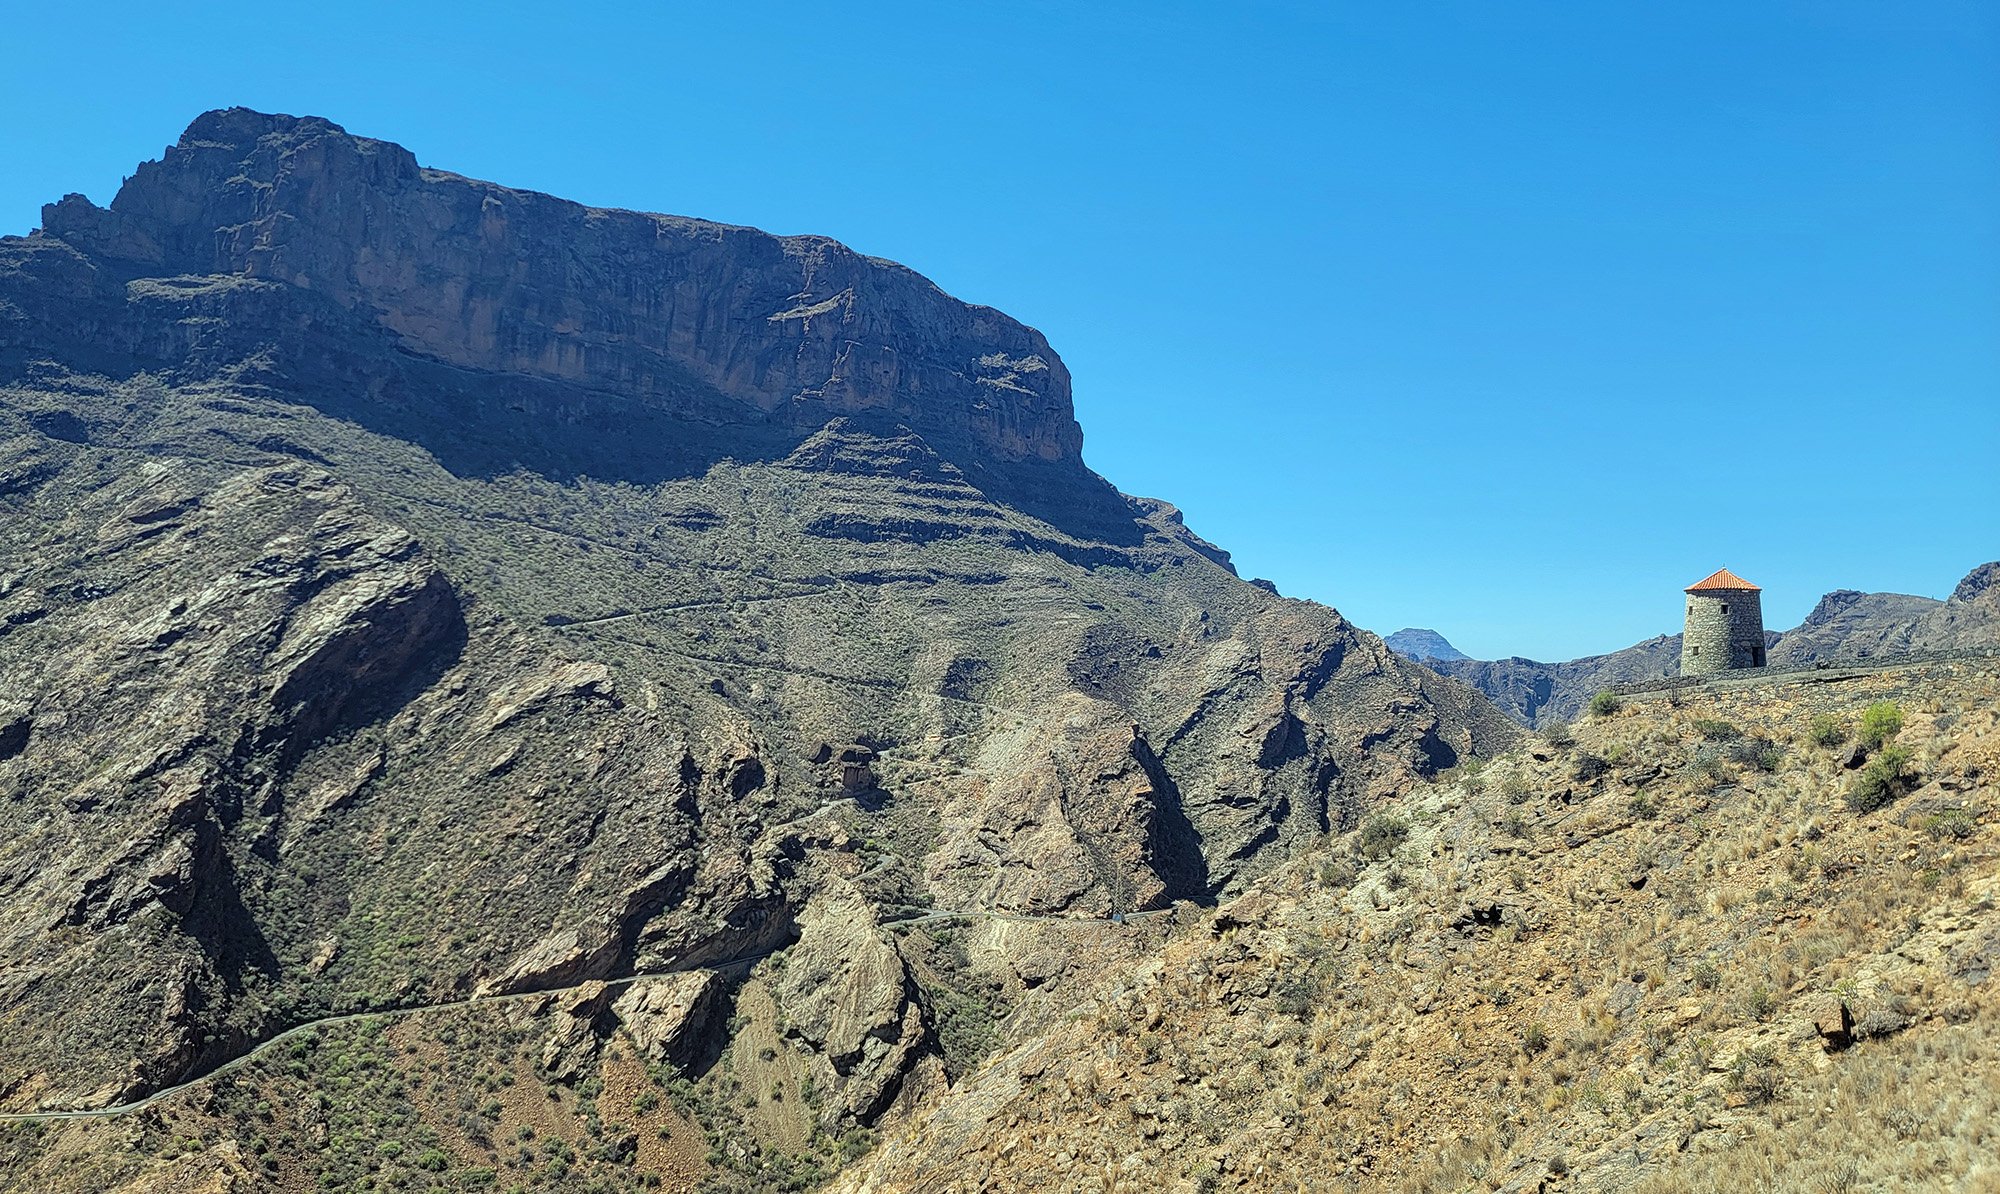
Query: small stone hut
x,y
1725,625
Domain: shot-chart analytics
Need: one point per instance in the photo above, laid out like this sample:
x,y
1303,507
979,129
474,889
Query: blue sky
x,y
1503,319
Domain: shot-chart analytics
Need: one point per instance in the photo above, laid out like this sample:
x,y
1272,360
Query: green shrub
x,y
1707,765
1757,1074
1755,752
1557,733
1881,781
1954,823
1715,729
1880,722
1465,772
1381,834
1828,730
1604,704
1336,873
1534,1039
1707,975
1642,807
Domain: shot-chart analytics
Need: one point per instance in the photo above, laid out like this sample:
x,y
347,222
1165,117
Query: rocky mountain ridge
x,y
795,329
414,589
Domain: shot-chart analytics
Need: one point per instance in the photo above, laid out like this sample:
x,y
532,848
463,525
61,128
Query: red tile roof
x,y
1723,578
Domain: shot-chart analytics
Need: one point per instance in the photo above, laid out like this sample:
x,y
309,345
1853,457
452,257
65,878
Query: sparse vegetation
x,y
1659,968
1828,730
1604,704
1881,781
1954,824
1880,722
1381,833
1714,729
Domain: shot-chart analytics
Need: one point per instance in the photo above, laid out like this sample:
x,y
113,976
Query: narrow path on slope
x,y
391,1013
243,1059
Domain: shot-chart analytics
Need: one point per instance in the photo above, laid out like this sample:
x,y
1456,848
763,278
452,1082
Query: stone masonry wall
x,y
1724,631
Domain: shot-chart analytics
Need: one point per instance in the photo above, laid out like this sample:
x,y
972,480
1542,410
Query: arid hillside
x,y
1717,942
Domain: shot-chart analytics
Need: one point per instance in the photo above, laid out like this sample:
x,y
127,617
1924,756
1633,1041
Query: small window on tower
x,y
1697,650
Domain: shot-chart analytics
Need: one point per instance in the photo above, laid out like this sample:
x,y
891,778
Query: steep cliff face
x,y
500,595
486,277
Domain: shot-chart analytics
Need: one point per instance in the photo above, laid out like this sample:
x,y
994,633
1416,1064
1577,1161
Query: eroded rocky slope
x,y
415,589
1714,943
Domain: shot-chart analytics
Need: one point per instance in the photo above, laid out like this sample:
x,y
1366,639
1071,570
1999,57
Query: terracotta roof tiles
x,y
1722,578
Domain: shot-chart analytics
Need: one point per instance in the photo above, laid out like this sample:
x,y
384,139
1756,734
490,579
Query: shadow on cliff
x,y
295,346
485,425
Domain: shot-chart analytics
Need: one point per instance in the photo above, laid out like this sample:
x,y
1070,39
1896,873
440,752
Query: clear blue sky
x,y
1507,319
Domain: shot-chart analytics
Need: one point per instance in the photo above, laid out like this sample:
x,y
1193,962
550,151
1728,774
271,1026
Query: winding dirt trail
x,y
243,1059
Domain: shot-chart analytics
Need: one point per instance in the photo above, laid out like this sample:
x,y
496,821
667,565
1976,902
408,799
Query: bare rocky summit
x,y
415,591
1414,643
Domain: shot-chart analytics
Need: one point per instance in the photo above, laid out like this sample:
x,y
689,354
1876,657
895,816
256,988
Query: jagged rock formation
x,y
1970,618
1851,625
1423,645
416,588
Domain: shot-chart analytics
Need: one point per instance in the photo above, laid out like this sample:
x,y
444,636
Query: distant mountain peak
x,y
1413,642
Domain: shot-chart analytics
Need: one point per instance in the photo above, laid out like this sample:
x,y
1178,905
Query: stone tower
x,y
1725,625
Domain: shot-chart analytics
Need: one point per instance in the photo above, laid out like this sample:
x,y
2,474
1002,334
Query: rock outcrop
x,y
794,329
1851,625
1970,619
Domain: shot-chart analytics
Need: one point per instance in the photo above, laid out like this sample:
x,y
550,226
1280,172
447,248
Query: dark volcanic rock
x,y
1970,620
1977,583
